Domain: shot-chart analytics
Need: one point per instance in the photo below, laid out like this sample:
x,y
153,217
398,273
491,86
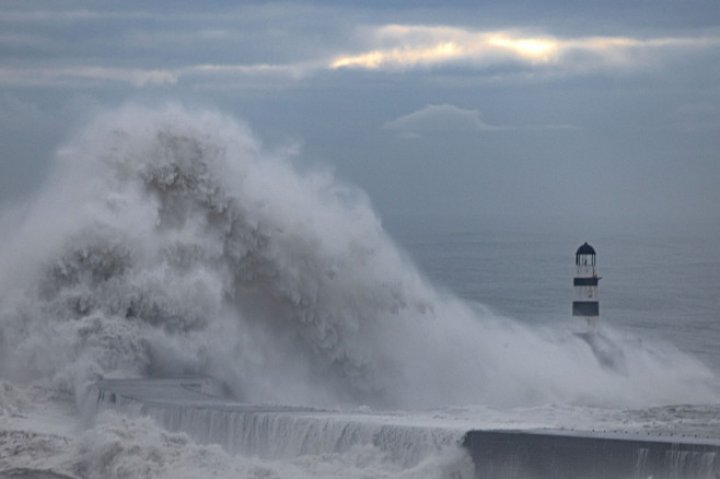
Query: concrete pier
x,y
197,407
589,455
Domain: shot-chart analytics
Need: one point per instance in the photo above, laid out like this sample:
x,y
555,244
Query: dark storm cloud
x,y
543,106
147,45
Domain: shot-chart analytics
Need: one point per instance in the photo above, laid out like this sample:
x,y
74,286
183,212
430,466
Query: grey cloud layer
x,y
293,42
509,104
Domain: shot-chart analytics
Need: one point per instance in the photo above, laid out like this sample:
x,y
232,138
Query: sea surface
x,y
659,280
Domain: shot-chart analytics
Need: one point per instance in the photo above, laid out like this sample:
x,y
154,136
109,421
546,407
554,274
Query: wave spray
x,y
171,242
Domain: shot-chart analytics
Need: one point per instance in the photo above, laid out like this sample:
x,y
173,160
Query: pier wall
x,y
197,407
539,455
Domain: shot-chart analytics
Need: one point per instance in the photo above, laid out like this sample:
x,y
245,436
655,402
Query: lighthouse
x,y
585,285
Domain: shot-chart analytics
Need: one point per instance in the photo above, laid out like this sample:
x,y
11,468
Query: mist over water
x,y
172,242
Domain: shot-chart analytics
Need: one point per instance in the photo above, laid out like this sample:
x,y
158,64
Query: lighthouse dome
x,y
585,249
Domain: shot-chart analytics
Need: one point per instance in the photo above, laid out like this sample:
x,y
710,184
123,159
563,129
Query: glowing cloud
x,y
533,49
409,46
401,56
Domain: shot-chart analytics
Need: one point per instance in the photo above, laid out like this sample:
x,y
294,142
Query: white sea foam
x,y
169,241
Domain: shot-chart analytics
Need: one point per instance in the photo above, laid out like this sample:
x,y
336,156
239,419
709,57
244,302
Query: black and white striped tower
x,y
585,285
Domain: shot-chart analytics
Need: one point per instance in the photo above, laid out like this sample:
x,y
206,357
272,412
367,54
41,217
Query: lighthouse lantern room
x,y
585,285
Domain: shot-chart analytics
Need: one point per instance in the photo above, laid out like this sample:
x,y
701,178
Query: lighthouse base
x,y
608,354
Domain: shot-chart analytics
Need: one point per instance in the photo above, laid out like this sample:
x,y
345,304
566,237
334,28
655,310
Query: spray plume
x,y
170,242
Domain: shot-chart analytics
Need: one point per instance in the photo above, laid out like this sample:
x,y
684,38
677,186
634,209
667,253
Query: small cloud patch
x,y
439,118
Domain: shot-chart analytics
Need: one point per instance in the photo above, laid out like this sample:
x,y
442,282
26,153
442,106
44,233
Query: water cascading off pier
x,y
197,407
269,431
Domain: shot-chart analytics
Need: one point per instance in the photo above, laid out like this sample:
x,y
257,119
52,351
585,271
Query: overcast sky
x,y
528,109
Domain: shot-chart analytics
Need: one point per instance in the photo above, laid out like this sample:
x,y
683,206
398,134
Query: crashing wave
x,y
171,242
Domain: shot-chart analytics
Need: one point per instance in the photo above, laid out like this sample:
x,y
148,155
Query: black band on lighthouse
x,y
586,281
586,308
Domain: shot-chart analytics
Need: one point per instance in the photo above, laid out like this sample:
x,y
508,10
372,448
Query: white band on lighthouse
x,y
585,285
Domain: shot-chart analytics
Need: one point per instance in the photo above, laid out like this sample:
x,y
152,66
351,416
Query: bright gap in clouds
x,y
533,49
392,47
402,46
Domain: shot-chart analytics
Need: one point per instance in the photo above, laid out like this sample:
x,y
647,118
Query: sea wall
x,y
197,407
562,454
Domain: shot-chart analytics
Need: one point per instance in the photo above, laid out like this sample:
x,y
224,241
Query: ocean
x,y
170,243
659,280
